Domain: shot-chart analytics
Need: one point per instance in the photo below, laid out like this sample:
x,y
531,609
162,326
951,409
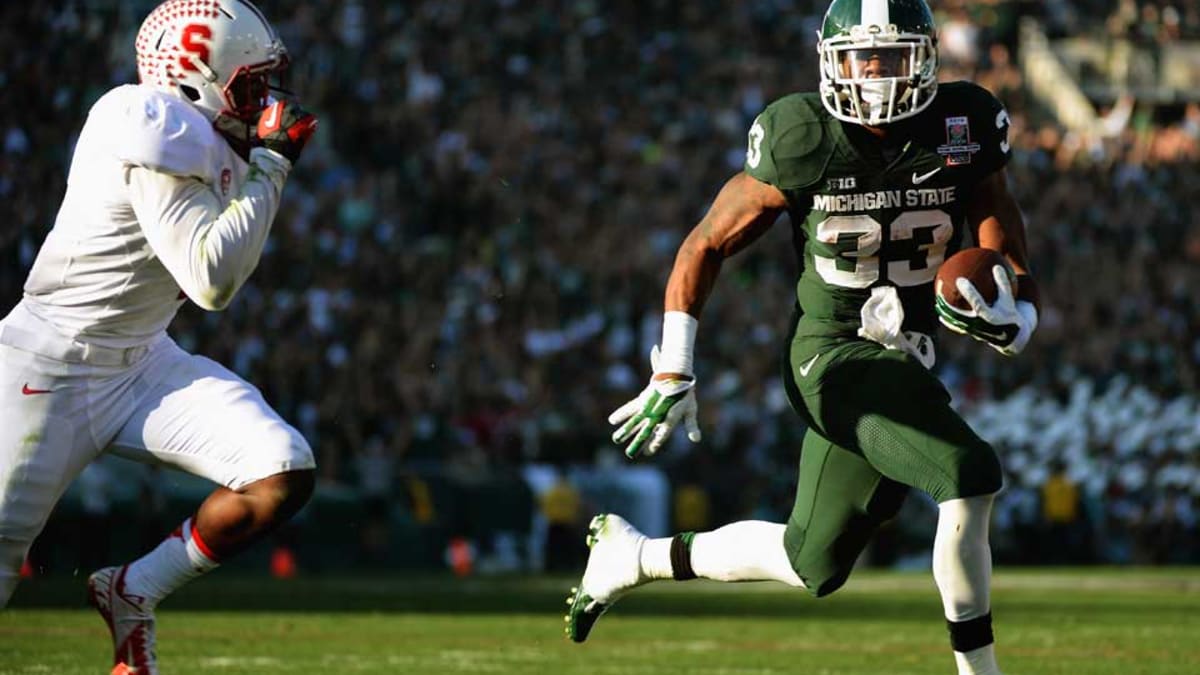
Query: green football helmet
x,y
879,60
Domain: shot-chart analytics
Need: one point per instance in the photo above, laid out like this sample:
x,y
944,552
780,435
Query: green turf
x,y
1082,622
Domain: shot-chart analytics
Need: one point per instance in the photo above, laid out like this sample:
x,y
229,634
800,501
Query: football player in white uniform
x,y
172,189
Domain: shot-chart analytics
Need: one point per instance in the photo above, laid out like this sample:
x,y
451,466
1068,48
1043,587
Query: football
x,y
975,265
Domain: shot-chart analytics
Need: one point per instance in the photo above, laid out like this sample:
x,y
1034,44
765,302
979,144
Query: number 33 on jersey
x,y
876,214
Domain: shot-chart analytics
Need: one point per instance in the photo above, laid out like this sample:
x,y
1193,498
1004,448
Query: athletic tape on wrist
x,y
677,350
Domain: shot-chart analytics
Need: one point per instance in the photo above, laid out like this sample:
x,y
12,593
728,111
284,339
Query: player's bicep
x,y
995,220
743,211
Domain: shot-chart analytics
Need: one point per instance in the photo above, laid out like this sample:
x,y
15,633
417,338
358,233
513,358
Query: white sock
x,y
750,550
980,661
962,569
181,557
655,558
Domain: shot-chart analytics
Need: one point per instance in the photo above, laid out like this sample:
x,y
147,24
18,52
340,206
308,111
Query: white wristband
x,y
676,353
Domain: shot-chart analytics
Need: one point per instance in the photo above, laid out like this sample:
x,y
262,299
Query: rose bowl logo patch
x,y
958,148
226,179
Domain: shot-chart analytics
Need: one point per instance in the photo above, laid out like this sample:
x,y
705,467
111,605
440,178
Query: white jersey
x,y
157,202
159,208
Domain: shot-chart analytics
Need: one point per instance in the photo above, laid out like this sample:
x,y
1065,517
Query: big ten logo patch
x,y
845,183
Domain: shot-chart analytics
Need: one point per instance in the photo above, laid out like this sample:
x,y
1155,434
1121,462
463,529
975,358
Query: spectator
x,y
562,507
376,483
1062,519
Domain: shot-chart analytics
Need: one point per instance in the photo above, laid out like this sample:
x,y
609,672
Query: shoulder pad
x,y
972,94
155,130
795,142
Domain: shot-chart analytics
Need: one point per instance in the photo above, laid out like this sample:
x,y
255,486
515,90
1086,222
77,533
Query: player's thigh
x,y
45,441
897,414
840,502
199,417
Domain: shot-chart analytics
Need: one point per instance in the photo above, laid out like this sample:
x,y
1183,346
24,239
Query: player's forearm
x,y
1007,239
1014,251
227,254
209,251
692,279
1010,241
697,265
999,225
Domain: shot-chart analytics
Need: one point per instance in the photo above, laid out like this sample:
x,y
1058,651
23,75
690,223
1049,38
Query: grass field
x,y
1082,622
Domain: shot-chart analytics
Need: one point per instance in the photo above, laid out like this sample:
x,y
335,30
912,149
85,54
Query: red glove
x,y
285,127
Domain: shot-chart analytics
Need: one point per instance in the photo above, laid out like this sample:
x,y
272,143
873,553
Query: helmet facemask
x,y
249,89
877,75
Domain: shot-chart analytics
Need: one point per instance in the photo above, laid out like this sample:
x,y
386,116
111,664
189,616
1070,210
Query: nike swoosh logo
x,y
1005,337
33,392
921,178
271,121
804,369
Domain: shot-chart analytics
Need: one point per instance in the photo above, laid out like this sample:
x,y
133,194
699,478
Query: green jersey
x,y
870,212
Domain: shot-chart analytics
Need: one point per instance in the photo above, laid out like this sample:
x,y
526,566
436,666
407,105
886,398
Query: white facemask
x,y
875,95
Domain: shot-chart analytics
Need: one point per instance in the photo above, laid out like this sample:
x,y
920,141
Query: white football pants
x,y
62,403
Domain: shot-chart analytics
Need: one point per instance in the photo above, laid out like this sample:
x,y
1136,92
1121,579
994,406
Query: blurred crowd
x,y
467,270
1144,21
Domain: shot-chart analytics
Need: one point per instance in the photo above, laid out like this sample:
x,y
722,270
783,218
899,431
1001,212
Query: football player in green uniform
x,y
882,171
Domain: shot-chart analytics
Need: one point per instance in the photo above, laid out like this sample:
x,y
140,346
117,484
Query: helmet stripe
x,y
875,13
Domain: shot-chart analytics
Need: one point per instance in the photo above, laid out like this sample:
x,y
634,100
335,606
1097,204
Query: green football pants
x,y
879,423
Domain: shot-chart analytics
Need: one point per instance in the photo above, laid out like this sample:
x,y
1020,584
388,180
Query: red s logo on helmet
x,y
194,38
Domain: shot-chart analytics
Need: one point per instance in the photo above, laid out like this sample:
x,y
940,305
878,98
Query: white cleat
x,y
129,623
613,569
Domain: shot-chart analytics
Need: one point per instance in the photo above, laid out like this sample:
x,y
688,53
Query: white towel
x,y
882,317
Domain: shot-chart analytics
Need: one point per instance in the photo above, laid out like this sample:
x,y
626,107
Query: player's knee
x,y
978,472
283,452
275,499
819,567
823,580
981,474
291,447
298,488
830,584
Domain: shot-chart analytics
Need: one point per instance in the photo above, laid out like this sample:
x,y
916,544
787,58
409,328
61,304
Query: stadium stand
x,y
466,272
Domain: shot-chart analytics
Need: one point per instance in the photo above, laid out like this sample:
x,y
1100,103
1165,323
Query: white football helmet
x,y
217,54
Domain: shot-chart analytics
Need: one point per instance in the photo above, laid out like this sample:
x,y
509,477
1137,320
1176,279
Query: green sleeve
x,y
995,151
787,144
760,161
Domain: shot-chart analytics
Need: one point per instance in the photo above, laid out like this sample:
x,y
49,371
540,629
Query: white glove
x,y
1006,324
655,413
